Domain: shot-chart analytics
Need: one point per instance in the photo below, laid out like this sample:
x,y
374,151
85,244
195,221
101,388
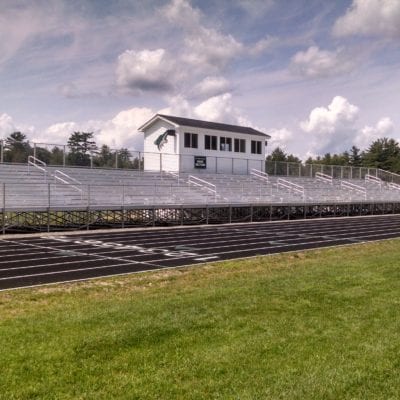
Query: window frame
x,y
212,142
191,140
225,143
256,147
239,145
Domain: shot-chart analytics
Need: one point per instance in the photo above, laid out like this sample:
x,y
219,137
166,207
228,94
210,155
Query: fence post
x,y
4,208
48,207
116,159
2,151
34,150
88,208
64,156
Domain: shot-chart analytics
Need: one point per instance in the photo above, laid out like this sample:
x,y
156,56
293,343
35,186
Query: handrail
x,y
202,183
34,162
394,186
353,186
290,185
67,177
320,176
392,175
173,174
259,174
373,179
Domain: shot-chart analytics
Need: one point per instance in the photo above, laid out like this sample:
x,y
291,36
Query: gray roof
x,y
196,123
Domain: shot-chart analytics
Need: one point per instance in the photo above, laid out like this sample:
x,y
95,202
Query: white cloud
x,y
177,105
206,49
181,13
263,45
256,8
7,125
370,18
122,130
332,128
314,63
209,50
281,137
146,70
217,108
212,86
60,132
383,128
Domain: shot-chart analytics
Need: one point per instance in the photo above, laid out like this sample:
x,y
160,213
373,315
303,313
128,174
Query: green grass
x,y
317,325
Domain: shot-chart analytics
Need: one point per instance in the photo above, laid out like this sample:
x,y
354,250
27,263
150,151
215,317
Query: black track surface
x,y
42,260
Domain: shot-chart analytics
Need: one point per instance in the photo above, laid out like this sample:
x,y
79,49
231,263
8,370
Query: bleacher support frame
x,y
49,220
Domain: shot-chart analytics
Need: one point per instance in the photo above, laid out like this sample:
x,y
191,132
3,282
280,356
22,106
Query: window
x,y
191,140
210,142
225,143
240,145
256,147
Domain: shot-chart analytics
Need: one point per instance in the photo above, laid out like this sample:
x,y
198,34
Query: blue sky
x,y
317,76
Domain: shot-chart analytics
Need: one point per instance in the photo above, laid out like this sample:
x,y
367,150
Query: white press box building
x,y
189,145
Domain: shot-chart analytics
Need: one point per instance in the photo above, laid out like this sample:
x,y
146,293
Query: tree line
x,y
82,151
382,153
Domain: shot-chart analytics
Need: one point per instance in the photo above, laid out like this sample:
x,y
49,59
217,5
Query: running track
x,y
39,260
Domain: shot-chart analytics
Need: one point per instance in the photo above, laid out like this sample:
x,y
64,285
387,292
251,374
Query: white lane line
x,y
256,240
161,268
59,263
94,255
151,262
331,231
72,270
306,224
206,258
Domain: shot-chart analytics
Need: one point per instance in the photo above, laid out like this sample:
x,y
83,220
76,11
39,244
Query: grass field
x,y
316,325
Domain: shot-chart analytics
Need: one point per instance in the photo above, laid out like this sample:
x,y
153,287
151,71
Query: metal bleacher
x,y
37,186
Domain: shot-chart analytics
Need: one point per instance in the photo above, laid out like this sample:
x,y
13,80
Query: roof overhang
x,y
154,119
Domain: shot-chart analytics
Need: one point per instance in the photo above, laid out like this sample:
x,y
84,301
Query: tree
x,y
293,159
17,148
81,145
105,157
383,153
277,155
57,156
355,159
124,158
43,154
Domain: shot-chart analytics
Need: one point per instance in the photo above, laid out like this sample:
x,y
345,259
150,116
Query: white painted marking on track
x,y
93,255
206,258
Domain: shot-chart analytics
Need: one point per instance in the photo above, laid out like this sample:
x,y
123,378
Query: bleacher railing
x,y
37,164
259,175
335,171
290,186
352,186
232,163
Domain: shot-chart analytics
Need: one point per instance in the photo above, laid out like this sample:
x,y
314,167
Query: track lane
x,y
33,261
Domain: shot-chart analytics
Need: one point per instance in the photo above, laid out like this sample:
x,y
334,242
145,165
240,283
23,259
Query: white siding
x,y
165,159
175,157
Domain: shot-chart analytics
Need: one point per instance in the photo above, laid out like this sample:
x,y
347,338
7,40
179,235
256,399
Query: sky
x,y
317,76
